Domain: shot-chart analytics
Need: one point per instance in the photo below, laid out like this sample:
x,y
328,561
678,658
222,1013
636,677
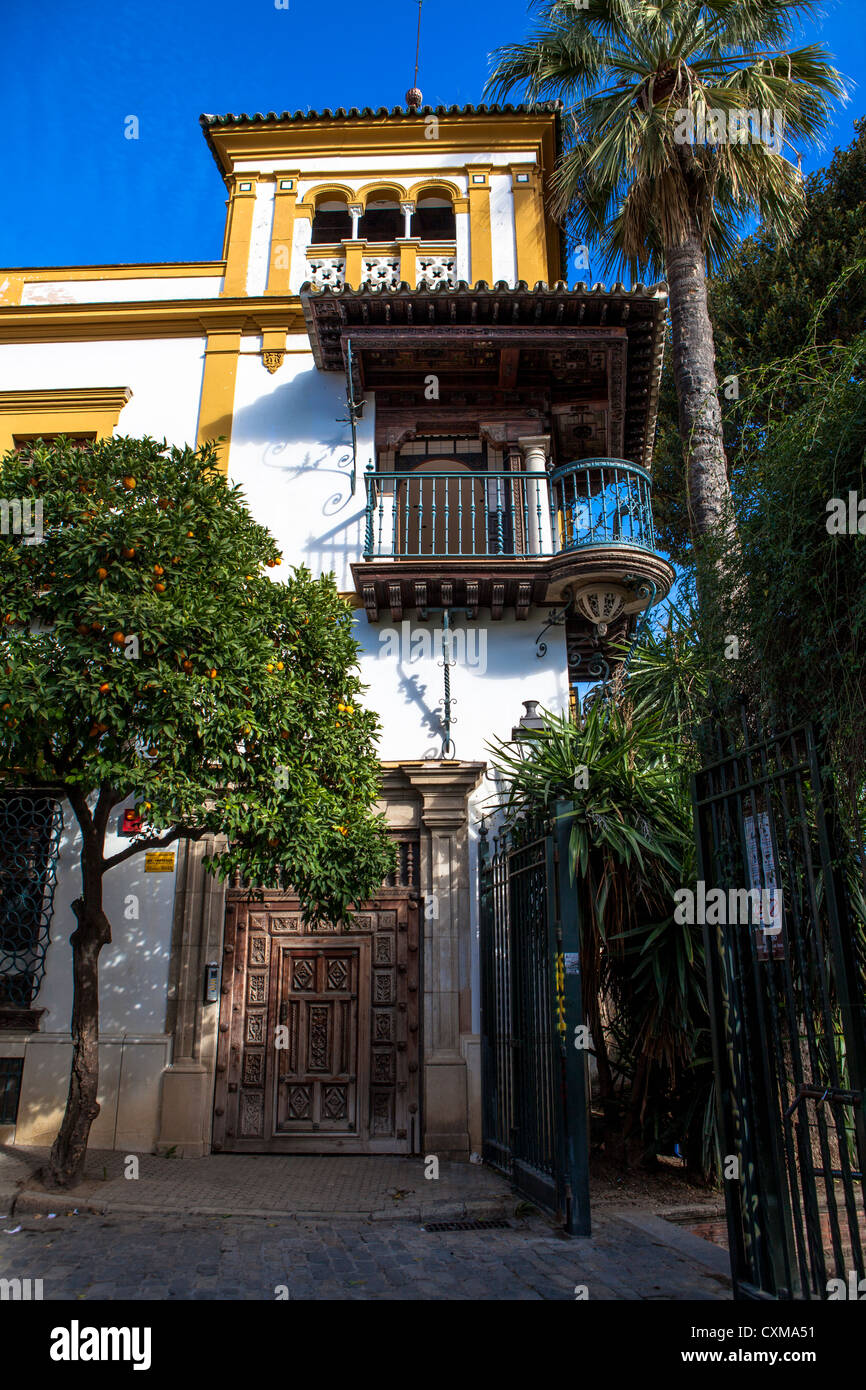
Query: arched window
x,y
333,221
382,220
434,218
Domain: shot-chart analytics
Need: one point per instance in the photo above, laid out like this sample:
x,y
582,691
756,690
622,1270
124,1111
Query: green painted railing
x,y
470,515
602,502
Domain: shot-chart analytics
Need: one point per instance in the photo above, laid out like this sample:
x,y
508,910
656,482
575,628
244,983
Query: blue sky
x,y
79,193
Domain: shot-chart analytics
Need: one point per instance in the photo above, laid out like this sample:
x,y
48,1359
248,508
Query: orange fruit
x,y
129,552
101,573
104,688
118,639
129,483
158,569
160,588
187,665
212,674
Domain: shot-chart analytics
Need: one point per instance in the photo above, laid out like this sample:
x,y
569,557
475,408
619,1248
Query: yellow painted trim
x,y
320,139
13,279
387,183
323,189
480,230
529,226
306,210
71,410
149,270
282,234
216,408
431,182
409,260
241,209
178,318
461,205
354,256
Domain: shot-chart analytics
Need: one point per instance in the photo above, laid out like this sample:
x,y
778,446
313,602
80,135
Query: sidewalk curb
x,y
713,1258
30,1203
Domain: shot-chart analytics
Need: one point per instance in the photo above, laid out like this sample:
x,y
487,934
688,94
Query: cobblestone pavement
x,y
91,1258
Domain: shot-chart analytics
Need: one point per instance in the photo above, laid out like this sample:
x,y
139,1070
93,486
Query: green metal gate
x,y
534,1060
787,994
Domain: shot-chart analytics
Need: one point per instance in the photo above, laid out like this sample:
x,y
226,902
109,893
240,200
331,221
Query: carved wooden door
x,y
318,1042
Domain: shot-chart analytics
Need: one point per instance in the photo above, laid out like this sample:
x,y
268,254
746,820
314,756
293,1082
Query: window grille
x,y
30,827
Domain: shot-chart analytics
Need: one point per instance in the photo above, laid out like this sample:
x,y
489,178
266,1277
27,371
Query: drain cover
x,y
493,1225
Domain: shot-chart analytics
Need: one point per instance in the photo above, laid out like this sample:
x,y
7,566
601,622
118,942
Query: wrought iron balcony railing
x,y
413,516
454,516
602,502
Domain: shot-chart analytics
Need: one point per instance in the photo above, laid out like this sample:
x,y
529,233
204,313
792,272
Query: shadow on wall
x,y
133,968
298,431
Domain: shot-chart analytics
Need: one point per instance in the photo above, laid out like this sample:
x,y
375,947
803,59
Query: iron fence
x,y
787,990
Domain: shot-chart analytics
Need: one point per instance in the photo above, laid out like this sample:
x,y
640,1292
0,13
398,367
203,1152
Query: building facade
x,y
411,397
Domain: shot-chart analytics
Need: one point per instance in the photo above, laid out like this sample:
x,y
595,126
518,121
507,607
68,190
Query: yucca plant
x,y
653,176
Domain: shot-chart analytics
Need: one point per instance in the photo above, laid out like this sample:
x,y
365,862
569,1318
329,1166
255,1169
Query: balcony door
x,y
443,516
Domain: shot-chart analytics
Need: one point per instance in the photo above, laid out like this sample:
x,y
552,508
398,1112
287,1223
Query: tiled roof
x,y
354,113
471,311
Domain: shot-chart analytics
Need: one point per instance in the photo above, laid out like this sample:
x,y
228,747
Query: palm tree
x,y
653,174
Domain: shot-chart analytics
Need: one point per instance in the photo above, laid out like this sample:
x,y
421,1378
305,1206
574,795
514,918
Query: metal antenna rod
x,y
418,46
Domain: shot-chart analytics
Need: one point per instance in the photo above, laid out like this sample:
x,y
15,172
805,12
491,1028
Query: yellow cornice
x,y
147,270
76,398
455,134
65,410
177,318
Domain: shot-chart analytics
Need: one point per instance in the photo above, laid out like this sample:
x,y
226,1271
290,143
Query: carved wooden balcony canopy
x,y
582,365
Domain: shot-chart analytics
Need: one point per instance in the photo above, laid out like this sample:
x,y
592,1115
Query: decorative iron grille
x,y
30,827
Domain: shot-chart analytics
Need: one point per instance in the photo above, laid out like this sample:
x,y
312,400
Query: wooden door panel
x,y
317,1082
319,1033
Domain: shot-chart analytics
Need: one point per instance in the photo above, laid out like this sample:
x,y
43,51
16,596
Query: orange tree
x,y
147,653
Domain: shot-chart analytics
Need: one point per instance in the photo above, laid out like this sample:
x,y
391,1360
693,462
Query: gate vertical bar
x,y
574,1058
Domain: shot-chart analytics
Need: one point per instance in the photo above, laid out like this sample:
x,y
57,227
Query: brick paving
x,y
93,1258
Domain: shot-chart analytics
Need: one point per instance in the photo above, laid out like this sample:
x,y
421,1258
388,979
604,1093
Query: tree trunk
x,y
68,1154
694,363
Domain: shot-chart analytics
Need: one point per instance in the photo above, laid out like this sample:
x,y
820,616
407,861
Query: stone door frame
x,y
427,800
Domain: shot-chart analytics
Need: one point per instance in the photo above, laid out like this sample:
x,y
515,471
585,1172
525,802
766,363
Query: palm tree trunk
x,y
694,364
68,1154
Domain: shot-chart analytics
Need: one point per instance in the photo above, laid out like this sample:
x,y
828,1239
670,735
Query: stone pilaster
x,y
186,1109
444,789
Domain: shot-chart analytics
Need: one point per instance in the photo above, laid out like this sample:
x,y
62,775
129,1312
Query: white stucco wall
x,y
116,291
165,375
503,234
134,1047
293,460
260,239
